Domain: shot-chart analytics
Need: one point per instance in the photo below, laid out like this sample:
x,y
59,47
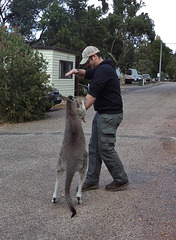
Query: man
x,y
104,94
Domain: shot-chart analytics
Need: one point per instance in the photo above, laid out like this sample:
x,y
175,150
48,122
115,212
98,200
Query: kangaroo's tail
x,y
68,181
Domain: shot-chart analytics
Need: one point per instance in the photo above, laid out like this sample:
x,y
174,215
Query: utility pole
x,y
160,61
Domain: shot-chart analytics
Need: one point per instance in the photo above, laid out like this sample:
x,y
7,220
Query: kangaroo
x,y
73,155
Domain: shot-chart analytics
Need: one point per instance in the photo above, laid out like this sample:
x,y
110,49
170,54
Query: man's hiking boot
x,y
89,186
116,186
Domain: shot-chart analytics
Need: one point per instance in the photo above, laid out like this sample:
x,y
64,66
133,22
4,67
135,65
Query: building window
x,y
65,66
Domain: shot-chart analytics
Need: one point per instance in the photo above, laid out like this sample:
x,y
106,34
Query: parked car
x,y
140,78
55,96
131,75
146,77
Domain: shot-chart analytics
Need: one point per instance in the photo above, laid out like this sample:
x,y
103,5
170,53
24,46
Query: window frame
x,y
64,69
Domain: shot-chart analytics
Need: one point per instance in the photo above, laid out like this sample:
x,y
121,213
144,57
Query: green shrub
x,y
23,79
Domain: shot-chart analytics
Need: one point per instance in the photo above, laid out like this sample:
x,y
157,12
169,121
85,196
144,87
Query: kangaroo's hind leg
x,y
82,173
58,177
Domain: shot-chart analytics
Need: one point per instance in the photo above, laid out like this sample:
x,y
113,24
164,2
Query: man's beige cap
x,y
87,52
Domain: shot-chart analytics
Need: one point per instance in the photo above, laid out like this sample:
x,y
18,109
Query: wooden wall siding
x,y
48,56
64,85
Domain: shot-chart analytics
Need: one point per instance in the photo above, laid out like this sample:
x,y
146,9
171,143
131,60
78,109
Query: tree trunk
x,y
122,79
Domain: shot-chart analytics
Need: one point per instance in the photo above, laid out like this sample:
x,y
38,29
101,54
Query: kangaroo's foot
x,y
79,200
54,200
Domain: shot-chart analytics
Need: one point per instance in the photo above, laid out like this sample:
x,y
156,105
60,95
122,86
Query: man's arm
x,y
80,73
89,100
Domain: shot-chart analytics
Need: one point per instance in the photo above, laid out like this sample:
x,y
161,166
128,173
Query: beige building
x,y
59,62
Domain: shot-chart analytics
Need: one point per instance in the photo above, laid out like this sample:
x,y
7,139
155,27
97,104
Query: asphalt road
x,y
146,143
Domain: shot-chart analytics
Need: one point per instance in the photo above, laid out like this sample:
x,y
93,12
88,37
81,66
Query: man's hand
x,y
73,71
80,73
89,101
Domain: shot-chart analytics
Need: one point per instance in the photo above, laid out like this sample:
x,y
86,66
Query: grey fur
x,y
73,155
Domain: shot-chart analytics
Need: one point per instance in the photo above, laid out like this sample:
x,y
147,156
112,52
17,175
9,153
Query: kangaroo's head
x,y
75,106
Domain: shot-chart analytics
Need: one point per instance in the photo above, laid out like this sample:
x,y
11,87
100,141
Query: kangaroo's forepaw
x,y
53,200
79,199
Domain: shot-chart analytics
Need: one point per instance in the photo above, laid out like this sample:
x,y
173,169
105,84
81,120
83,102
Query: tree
x,y
26,14
23,79
128,31
94,28
155,55
4,10
73,26
54,25
170,69
143,62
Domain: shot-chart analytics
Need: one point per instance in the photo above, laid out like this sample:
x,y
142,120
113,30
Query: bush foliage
x,y
23,79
